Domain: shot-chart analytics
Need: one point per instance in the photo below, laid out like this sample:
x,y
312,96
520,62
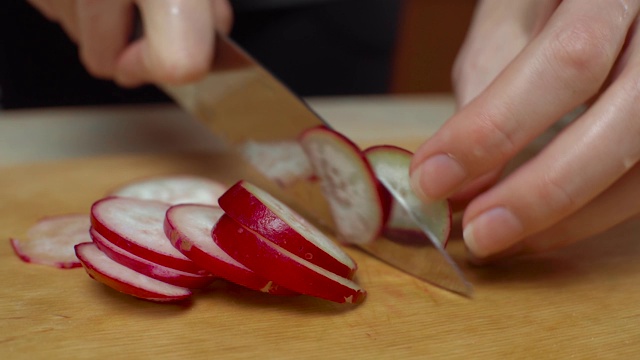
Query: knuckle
x,y
582,50
557,198
492,138
96,67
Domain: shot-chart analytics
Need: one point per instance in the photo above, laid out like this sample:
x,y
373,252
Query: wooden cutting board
x,y
581,302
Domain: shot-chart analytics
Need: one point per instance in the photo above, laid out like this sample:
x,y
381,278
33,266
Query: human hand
x,y
524,65
177,45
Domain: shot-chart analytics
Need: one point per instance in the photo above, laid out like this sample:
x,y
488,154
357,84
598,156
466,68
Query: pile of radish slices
x,y
162,238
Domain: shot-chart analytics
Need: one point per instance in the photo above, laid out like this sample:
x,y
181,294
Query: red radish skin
x,y
121,278
50,241
392,163
257,210
136,226
148,268
359,204
285,268
189,227
174,189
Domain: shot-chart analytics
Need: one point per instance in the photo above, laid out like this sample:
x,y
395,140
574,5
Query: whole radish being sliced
x,y
50,241
148,268
121,278
273,262
175,189
358,202
189,227
137,226
391,165
257,210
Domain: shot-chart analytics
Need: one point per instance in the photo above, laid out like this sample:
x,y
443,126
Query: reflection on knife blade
x,y
246,106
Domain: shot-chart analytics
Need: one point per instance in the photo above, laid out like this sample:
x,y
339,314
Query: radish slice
x,y
148,268
190,227
174,190
272,261
137,226
358,202
51,240
391,165
257,210
121,278
281,161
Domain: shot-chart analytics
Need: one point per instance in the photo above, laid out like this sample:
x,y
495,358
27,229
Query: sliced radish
x,y
121,278
281,161
51,240
358,202
190,227
257,210
176,189
148,268
285,268
137,226
391,165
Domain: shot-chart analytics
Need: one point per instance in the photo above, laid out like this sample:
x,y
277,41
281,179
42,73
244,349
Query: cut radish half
x,y
273,262
391,165
281,161
51,240
190,227
148,268
177,189
121,278
257,210
358,202
137,226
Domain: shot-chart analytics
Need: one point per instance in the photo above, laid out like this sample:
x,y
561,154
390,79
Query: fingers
x,y
60,11
105,27
617,204
177,46
561,68
580,164
499,31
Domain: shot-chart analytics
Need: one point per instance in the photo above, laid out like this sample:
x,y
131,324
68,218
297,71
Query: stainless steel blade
x,y
242,103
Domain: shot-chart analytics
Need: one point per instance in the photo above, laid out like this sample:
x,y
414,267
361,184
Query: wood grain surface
x,y
581,302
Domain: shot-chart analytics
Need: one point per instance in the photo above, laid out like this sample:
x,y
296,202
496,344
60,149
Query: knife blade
x,y
243,104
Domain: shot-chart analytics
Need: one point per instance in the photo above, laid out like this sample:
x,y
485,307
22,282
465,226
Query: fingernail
x,y
493,231
438,176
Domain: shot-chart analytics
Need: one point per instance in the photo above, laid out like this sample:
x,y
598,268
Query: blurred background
x,y
316,47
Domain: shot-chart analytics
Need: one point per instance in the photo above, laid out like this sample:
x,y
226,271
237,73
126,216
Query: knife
x,y
247,108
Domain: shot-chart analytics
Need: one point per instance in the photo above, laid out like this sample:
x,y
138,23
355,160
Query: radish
x,y
281,161
51,240
259,211
391,165
285,268
148,268
121,278
137,226
189,227
358,202
176,189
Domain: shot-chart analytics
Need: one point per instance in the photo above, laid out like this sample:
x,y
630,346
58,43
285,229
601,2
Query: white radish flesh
x,y
121,278
148,268
137,226
285,268
358,202
391,165
281,161
176,189
190,229
257,210
50,241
